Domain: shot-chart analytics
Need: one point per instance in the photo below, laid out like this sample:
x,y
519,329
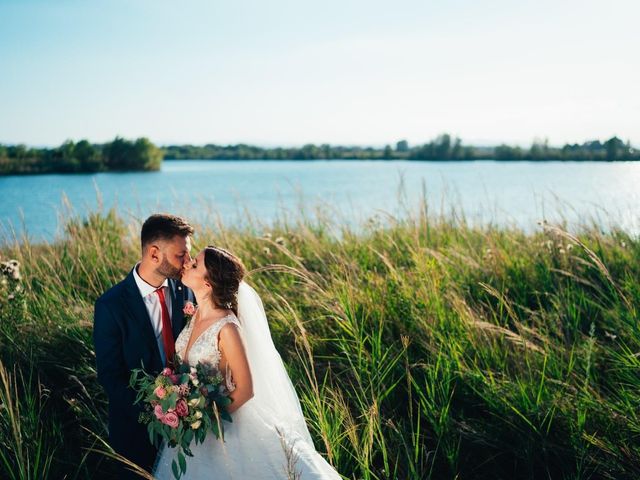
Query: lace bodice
x,y
204,349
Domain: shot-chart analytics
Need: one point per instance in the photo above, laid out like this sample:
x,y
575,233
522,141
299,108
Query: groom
x,y
136,323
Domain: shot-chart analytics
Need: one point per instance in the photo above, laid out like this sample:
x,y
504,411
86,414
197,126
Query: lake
x,y
502,193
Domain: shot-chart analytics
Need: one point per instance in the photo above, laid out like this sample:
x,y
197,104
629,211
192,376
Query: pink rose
x,y
189,308
160,392
171,419
182,409
167,371
175,379
158,412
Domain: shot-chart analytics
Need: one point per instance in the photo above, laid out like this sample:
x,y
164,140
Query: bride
x,y
268,438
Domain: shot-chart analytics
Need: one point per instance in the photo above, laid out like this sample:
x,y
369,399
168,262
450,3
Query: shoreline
x,y
329,160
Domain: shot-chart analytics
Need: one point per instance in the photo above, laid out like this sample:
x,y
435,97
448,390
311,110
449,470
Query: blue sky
x,y
342,72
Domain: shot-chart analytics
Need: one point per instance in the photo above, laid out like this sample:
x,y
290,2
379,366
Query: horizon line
x,y
301,145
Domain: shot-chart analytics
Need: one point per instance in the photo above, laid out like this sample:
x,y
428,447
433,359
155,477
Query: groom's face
x,y
175,254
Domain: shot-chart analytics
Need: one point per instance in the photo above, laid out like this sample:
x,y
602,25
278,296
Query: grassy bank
x,y
420,348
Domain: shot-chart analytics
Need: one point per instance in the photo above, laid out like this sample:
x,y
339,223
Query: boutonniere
x,y
189,311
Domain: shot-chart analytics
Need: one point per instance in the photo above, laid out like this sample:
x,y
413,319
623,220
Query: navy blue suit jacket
x,y
124,339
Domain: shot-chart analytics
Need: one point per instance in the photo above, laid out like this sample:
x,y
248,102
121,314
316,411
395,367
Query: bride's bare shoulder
x,y
229,336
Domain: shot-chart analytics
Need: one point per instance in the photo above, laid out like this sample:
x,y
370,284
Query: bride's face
x,y
194,275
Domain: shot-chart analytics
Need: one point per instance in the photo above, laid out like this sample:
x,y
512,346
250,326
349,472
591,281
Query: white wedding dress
x,y
266,440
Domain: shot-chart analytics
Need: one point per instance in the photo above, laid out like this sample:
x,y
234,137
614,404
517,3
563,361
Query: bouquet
x,y
182,405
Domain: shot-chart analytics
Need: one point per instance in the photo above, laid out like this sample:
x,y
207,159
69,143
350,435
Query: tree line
x,y
444,147
81,157
610,150
141,154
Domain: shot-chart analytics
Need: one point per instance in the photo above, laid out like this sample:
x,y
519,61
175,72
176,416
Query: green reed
x,y
421,347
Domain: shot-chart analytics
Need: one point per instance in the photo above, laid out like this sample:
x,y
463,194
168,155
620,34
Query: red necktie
x,y
167,334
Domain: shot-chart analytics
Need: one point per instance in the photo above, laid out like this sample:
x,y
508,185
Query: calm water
x,y
504,193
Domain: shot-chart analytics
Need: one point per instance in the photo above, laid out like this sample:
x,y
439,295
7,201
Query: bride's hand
x,y
232,350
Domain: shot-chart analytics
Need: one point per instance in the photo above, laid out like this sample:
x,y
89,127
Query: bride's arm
x,y
232,349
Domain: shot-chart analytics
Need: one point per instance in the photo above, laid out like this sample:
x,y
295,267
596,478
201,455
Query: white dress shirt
x,y
152,302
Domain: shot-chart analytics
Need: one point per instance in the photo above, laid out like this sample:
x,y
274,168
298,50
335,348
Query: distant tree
x,y
387,153
628,150
457,150
145,155
117,154
18,151
88,156
442,148
505,152
402,146
123,154
66,158
423,152
309,152
468,153
5,161
325,151
539,149
615,148
593,145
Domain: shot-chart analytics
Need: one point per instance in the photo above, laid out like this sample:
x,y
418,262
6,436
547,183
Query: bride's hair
x,y
225,271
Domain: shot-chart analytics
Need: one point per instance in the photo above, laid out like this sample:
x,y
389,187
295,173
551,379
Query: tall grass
x,y
421,347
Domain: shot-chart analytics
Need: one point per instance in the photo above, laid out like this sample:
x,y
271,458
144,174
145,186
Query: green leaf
x,y
167,403
151,430
183,462
132,379
187,451
174,468
149,397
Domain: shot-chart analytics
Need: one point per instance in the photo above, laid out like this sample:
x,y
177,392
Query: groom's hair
x,y
162,226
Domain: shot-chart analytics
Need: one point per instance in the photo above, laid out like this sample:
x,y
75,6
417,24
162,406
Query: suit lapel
x,y
140,317
177,304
